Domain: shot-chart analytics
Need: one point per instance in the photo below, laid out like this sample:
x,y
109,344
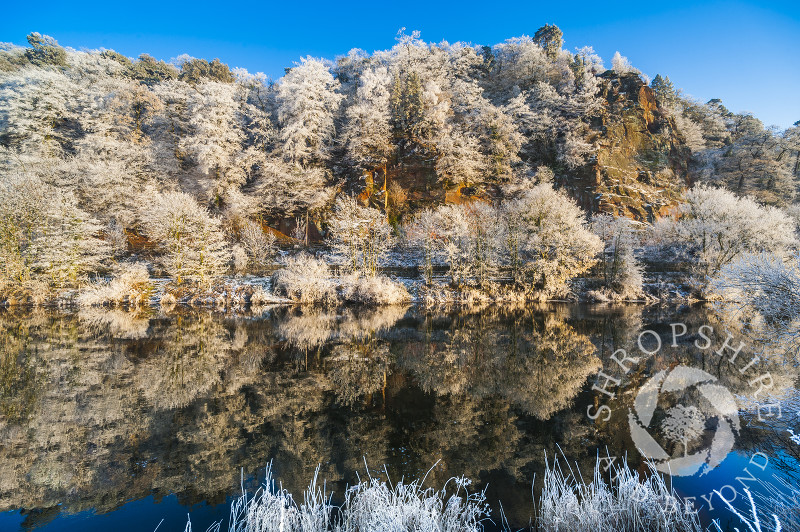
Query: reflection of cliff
x,y
535,361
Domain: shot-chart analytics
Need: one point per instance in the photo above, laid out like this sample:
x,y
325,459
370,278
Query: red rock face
x,y
640,169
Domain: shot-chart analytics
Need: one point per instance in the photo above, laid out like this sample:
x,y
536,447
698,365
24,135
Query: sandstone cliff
x,y
639,170
641,166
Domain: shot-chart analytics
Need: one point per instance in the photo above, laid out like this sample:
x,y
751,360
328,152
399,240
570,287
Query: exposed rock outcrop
x,y
639,170
641,165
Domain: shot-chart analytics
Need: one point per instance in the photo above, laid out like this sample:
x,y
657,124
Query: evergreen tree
x,y
45,51
550,38
665,90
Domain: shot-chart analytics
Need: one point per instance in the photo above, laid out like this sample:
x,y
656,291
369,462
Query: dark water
x,y
115,421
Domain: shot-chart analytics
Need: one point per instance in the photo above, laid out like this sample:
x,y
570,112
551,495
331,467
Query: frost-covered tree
x,y
459,161
621,65
692,131
285,188
714,227
554,122
519,64
45,235
150,71
444,236
368,133
360,234
423,232
755,163
113,159
258,246
465,237
38,111
307,100
45,51
190,239
215,136
552,241
622,272
195,70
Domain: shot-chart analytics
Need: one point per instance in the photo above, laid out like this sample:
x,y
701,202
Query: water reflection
x,y
98,408
535,361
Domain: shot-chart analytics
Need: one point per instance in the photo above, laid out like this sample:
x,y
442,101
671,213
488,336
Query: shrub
x,y
130,286
305,279
167,300
378,290
261,297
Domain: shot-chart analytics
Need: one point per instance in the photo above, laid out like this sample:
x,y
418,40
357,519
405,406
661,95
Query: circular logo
x,y
685,411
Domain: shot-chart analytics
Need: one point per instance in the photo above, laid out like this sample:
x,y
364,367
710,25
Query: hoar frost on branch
x,y
360,234
190,238
713,227
763,291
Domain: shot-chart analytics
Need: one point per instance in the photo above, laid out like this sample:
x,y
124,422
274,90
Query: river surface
x,y
114,421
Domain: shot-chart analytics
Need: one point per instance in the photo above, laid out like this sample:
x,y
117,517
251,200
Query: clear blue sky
x,y
745,53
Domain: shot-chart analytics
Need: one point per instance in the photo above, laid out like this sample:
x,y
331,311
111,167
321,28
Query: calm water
x,y
110,420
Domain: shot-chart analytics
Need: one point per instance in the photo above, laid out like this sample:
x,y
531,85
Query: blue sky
x,y
745,53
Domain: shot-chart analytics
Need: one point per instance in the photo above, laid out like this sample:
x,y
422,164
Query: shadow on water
x,y
115,420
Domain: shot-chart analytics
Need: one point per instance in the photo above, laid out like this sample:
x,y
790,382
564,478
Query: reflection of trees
x,y
468,435
21,376
183,409
311,328
116,415
536,361
774,338
776,435
186,363
117,322
617,334
308,328
358,368
357,362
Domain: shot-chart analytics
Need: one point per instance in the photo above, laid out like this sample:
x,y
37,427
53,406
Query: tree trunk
x,y
386,191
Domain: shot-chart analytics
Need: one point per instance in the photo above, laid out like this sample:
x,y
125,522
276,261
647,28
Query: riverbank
x,y
133,288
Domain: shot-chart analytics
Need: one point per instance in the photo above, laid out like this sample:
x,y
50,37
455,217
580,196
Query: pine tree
x,y
665,91
550,38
